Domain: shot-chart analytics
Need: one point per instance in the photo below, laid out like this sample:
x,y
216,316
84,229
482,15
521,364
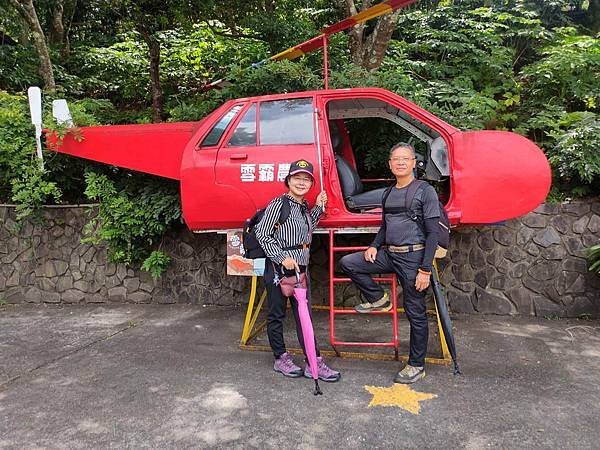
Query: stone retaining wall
x,y
534,265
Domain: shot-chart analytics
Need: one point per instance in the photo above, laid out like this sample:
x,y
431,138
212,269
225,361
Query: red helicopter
x,y
234,161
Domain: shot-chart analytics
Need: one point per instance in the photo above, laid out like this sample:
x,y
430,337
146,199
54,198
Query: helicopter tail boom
x,y
156,149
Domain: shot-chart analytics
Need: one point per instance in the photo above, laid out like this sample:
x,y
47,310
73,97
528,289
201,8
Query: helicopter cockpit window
x,y
245,132
287,122
214,136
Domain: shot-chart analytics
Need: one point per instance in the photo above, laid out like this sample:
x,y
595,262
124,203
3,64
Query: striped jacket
x,y
297,229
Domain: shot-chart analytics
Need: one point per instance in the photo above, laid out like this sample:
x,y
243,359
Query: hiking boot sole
x,y
384,308
289,375
412,380
327,380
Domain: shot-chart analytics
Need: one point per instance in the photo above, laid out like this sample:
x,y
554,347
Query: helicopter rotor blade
x,y
377,10
316,43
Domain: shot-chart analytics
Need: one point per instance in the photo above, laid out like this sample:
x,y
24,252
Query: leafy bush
x,y
17,140
31,191
119,72
195,108
460,63
18,68
273,78
576,154
134,213
190,58
568,73
21,179
156,263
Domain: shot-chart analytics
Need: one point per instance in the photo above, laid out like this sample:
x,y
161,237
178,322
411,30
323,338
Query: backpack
x,y
252,249
443,223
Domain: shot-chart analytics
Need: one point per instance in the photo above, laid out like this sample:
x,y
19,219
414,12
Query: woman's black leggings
x,y
277,306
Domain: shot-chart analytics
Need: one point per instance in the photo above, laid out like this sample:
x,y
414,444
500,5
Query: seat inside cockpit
x,y
362,131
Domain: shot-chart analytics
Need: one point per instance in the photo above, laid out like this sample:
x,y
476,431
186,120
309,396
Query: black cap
x,y
301,166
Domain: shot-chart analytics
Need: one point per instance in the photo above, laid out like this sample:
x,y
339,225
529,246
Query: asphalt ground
x,y
173,376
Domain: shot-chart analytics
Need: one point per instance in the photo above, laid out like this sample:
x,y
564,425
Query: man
x,y
405,245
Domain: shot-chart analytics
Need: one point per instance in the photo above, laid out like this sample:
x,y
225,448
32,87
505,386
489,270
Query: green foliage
x,y
568,73
195,108
17,140
274,78
156,263
191,58
21,179
31,191
593,256
271,78
90,111
349,76
18,68
459,63
576,154
133,215
119,72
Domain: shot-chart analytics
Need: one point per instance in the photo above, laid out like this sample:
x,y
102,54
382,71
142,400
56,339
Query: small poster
x,y
236,263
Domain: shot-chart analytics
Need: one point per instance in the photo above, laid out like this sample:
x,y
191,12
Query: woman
x,y
287,248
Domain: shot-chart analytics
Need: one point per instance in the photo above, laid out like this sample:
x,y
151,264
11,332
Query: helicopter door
x,y
256,156
368,127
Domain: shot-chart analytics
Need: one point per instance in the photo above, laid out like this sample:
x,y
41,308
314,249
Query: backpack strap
x,y
384,197
411,191
284,212
286,209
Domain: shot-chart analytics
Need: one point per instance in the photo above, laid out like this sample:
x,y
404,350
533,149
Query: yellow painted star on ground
x,y
400,395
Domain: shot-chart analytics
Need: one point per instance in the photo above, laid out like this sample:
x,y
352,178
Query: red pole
x,y
331,291
325,62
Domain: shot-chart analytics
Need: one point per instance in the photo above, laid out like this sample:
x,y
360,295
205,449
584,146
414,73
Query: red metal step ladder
x,y
333,310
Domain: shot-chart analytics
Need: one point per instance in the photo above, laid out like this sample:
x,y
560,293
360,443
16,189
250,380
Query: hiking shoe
x,y
409,374
285,365
383,304
325,373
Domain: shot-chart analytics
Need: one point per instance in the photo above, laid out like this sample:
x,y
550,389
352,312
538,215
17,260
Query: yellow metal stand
x,y
252,314
443,344
250,330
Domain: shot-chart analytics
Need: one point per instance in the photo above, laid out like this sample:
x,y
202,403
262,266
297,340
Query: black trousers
x,y
277,303
405,266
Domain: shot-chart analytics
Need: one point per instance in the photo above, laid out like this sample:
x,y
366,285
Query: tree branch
x,y
232,34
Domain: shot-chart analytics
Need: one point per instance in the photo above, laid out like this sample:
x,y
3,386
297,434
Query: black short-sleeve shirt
x,y
400,228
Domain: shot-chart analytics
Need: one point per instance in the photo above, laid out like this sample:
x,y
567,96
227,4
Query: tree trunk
x,y
356,32
28,13
57,27
65,52
594,16
368,51
157,93
379,41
